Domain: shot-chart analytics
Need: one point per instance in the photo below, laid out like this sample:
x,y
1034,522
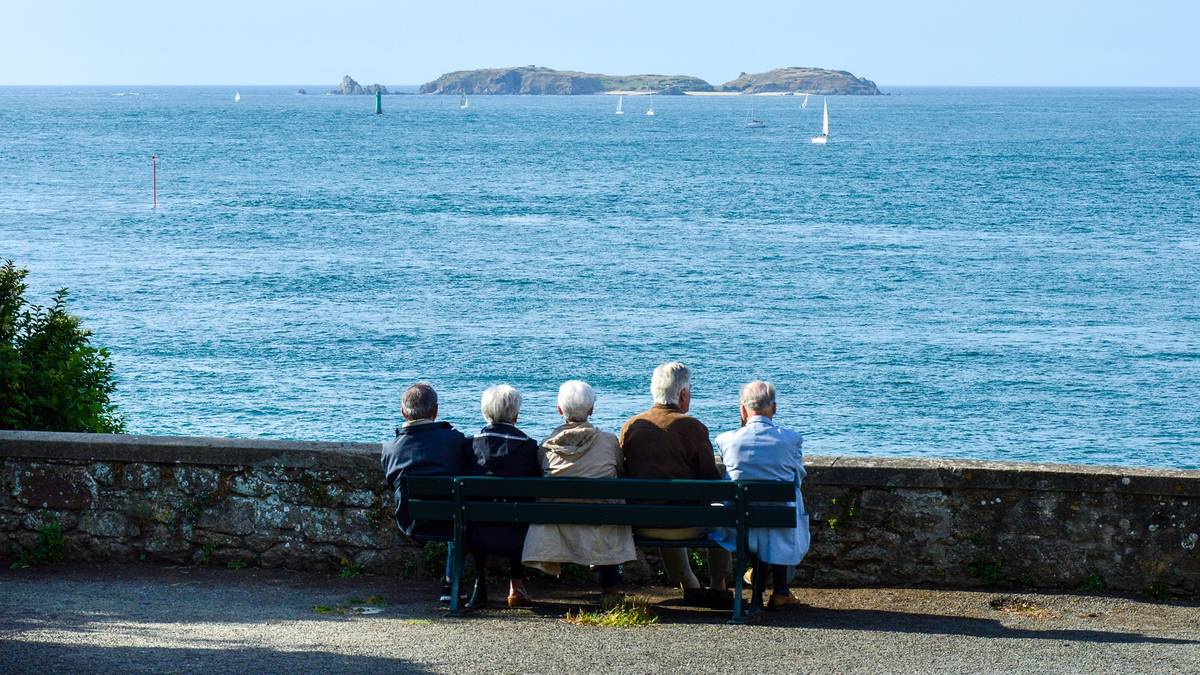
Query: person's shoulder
x,y
683,421
726,438
791,435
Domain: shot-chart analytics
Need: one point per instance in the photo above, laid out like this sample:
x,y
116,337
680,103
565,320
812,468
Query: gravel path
x,y
146,618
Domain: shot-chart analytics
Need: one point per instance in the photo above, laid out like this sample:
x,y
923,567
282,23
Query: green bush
x,y
51,377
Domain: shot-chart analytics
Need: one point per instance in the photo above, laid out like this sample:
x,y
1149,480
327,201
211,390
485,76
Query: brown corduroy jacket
x,y
665,443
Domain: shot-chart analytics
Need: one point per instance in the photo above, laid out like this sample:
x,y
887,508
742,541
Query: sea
x,y
978,273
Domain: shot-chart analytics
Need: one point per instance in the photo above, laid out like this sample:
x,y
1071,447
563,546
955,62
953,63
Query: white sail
x,y
804,104
237,97
650,110
824,137
464,103
620,105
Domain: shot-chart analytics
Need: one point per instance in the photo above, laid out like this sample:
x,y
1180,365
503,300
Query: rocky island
x,y
349,87
801,80
539,80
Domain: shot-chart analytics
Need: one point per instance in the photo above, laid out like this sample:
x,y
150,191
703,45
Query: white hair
x,y
669,381
576,400
758,396
500,404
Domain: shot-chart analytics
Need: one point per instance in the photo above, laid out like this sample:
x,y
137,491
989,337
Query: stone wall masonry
x,y
887,521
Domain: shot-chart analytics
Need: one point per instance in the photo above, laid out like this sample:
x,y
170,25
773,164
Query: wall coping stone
x,y
883,472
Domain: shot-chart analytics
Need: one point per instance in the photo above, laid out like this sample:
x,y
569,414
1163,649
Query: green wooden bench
x,y
710,503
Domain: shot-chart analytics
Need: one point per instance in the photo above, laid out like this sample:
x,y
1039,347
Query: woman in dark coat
x,y
501,449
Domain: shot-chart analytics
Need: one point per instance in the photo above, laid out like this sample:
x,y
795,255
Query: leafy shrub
x,y
51,377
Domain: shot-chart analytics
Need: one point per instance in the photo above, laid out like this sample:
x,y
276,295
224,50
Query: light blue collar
x,y
762,419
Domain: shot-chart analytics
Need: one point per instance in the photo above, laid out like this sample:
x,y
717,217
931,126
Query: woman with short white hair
x,y
501,449
576,449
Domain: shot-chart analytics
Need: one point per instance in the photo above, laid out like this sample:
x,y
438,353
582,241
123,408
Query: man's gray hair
x,y
576,400
419,402
669,380
758,396
500,404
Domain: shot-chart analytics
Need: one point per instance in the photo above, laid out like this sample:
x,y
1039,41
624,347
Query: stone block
x,y
140,476
197,480
234,515
55,487
102,473
104,523
9,521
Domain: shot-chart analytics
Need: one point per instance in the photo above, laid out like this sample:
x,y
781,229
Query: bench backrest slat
x,y
438,487
636,515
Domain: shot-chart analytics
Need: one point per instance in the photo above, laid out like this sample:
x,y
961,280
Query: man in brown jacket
x,y
666,442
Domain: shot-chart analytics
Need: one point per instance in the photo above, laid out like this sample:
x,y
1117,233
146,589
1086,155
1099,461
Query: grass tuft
x,y
629,613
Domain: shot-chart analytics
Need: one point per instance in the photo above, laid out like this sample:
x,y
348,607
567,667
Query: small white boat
x,y
824,137
650,111
237,97
752,121
804,103
620,105
463,103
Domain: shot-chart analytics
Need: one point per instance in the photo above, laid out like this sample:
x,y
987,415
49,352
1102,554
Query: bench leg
x,y
456,565
739,570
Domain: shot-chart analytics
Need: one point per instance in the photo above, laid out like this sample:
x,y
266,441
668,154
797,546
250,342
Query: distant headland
x,y
540,80
349,87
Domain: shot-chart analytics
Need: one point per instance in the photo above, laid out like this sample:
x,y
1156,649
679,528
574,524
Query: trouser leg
x,y
780,574
609,576
515,569
679,567
720,566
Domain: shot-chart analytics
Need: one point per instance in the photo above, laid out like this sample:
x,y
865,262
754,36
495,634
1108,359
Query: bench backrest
x,y
705,503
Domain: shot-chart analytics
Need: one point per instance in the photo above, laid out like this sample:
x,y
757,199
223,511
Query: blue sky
x,y
1013,42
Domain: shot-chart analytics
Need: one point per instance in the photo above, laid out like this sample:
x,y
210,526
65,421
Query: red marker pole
x,y
154,180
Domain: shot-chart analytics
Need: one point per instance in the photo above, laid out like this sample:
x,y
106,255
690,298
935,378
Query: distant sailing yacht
x,y
620,105
463,103
824,137
752,121
650,111
804,104
237,97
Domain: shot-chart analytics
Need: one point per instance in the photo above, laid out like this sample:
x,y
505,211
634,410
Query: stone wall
x,y
324,506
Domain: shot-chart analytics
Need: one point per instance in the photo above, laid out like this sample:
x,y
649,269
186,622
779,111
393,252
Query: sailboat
x,y
463,103
824,137
237,97
752,121
620,105
650,111
804,104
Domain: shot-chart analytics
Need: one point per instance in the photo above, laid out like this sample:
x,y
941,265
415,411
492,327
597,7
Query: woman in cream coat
x,y
576,449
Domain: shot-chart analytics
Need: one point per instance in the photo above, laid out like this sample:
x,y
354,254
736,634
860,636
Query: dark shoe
x,y
720,599
779,603
696,597
479,596
444,598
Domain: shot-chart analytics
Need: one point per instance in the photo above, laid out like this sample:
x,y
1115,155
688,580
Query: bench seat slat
x,y
598,488
638,515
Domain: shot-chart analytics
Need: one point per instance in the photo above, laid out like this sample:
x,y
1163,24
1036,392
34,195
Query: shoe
x,y
519,599
696,597
444,598
779,603
479,595
720,599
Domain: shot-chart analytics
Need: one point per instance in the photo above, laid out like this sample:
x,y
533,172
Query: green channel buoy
x,y
378,102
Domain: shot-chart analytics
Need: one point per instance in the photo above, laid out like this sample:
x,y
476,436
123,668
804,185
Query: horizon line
x,y
877,84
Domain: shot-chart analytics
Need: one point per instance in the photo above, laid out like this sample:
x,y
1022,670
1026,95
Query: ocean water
x,y
1004,274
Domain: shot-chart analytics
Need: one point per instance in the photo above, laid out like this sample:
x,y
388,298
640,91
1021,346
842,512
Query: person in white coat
x,y
761,450
576,449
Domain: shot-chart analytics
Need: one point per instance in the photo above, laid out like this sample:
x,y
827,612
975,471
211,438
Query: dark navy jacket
x,y
503,450
431,449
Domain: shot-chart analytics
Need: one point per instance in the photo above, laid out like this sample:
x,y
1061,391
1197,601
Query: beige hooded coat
x,y
579,450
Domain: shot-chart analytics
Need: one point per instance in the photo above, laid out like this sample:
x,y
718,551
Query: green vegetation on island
x,y
540,80
802,81
51,377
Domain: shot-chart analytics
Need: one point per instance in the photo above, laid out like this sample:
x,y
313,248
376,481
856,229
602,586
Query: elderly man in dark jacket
x,y
424,447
